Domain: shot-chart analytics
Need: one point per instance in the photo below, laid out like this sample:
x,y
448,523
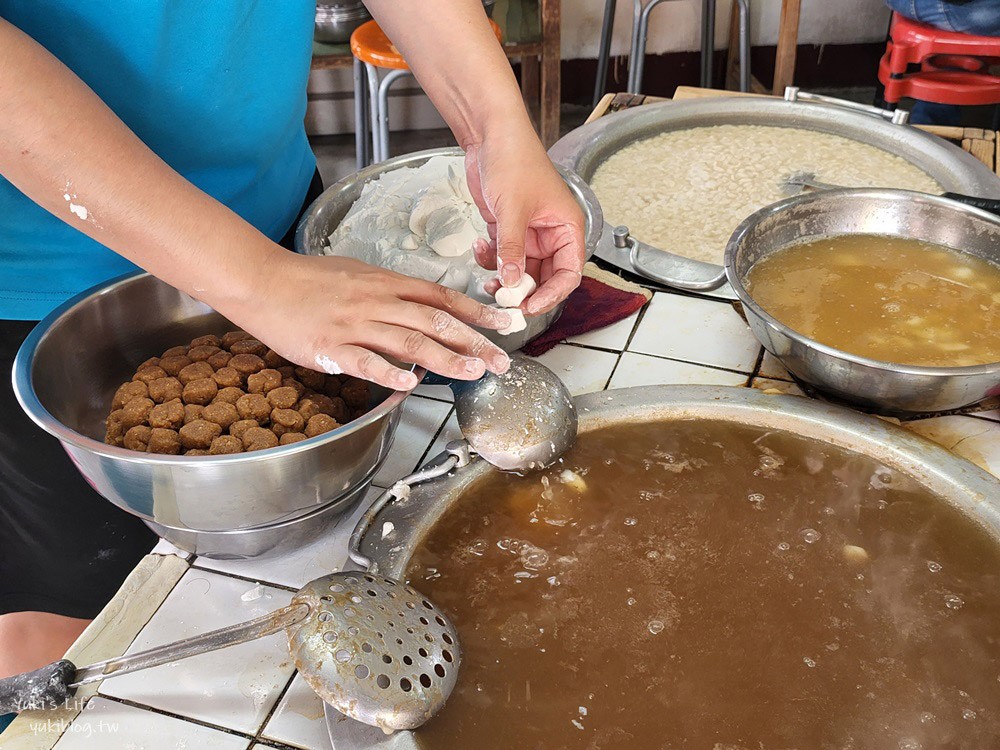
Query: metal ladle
x,y
373,648
518,421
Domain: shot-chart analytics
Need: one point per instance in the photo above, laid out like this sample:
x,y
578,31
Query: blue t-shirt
x,y
217,88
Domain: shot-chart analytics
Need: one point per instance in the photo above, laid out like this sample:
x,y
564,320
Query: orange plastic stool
x,y
373,50
938,66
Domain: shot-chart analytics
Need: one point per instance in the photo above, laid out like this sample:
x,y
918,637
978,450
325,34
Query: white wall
x,y
675,24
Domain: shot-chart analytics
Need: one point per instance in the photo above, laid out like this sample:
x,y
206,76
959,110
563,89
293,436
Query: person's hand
x,y
339,315
535,224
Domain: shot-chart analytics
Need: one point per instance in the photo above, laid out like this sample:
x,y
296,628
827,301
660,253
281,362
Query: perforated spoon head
x,y
375,649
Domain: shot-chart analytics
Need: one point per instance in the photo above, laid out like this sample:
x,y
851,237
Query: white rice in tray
x,y
685,191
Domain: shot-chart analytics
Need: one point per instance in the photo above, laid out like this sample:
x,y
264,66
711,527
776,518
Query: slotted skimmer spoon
x,y
794,184
373,648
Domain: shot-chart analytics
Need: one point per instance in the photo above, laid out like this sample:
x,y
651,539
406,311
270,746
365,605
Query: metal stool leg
x,y
362,122
604,52
744,6
383,110
374,116
640,32
707,41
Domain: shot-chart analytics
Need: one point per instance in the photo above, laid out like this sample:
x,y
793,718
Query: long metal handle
x,y
233,635
623,241
459,456
895,116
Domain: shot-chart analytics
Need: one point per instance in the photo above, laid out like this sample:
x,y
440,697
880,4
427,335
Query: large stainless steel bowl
x,y
884,386
70,366
327,211
583,150
953,480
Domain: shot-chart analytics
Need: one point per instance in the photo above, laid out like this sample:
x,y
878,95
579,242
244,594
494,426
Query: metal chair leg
x,y
707,41
640,33
374,116
383,110
744,7
604,51
362,126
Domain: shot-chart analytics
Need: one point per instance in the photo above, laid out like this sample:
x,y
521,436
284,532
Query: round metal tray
x,y
957,482
586,148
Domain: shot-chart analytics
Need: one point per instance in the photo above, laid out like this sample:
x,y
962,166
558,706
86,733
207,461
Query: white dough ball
x,y
513,296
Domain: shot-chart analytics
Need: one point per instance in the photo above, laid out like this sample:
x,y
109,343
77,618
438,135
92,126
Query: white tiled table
x,y
249,696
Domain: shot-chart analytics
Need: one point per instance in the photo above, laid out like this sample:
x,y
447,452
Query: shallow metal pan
x,y
583,150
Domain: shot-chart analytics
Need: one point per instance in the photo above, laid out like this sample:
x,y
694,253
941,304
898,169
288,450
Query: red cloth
x,y
591,306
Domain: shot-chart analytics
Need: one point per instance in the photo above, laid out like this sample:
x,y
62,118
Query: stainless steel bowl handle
x,y
459,456
895,116
679,269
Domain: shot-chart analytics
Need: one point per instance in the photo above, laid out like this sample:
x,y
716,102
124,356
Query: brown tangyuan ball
x,y
175,351
220,359
136,412
239,428
202,353
232,337
264,381
128,391
151,362
222,414
192,412
246,364
169,415
283,397
290,419
196,452
355,393
227,377
195,371
319,424
174,364
225,444
254,406
259,438
207,340
291,382
228,395
332,387
166,389
200,391
311,379
137,438
199,434
115,429
291,437
149,373
274,360
248,346
162,440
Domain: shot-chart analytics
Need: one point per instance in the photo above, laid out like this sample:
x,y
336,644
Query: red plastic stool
x,y
922,62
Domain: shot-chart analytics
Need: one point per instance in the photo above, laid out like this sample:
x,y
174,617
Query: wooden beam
x,y
788,40
551,77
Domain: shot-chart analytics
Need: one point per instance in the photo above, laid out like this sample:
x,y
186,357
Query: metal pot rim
x,y
416,158
745,298
25,393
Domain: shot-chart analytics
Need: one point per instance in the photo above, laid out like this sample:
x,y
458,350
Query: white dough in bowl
x,y
418,221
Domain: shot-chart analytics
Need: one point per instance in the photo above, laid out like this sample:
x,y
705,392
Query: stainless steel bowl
x,y
70,366
583,150
884,386
954,481
336,21
327,211
271,540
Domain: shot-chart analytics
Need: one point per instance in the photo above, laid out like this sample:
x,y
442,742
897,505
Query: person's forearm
x,y
464,72
66,150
